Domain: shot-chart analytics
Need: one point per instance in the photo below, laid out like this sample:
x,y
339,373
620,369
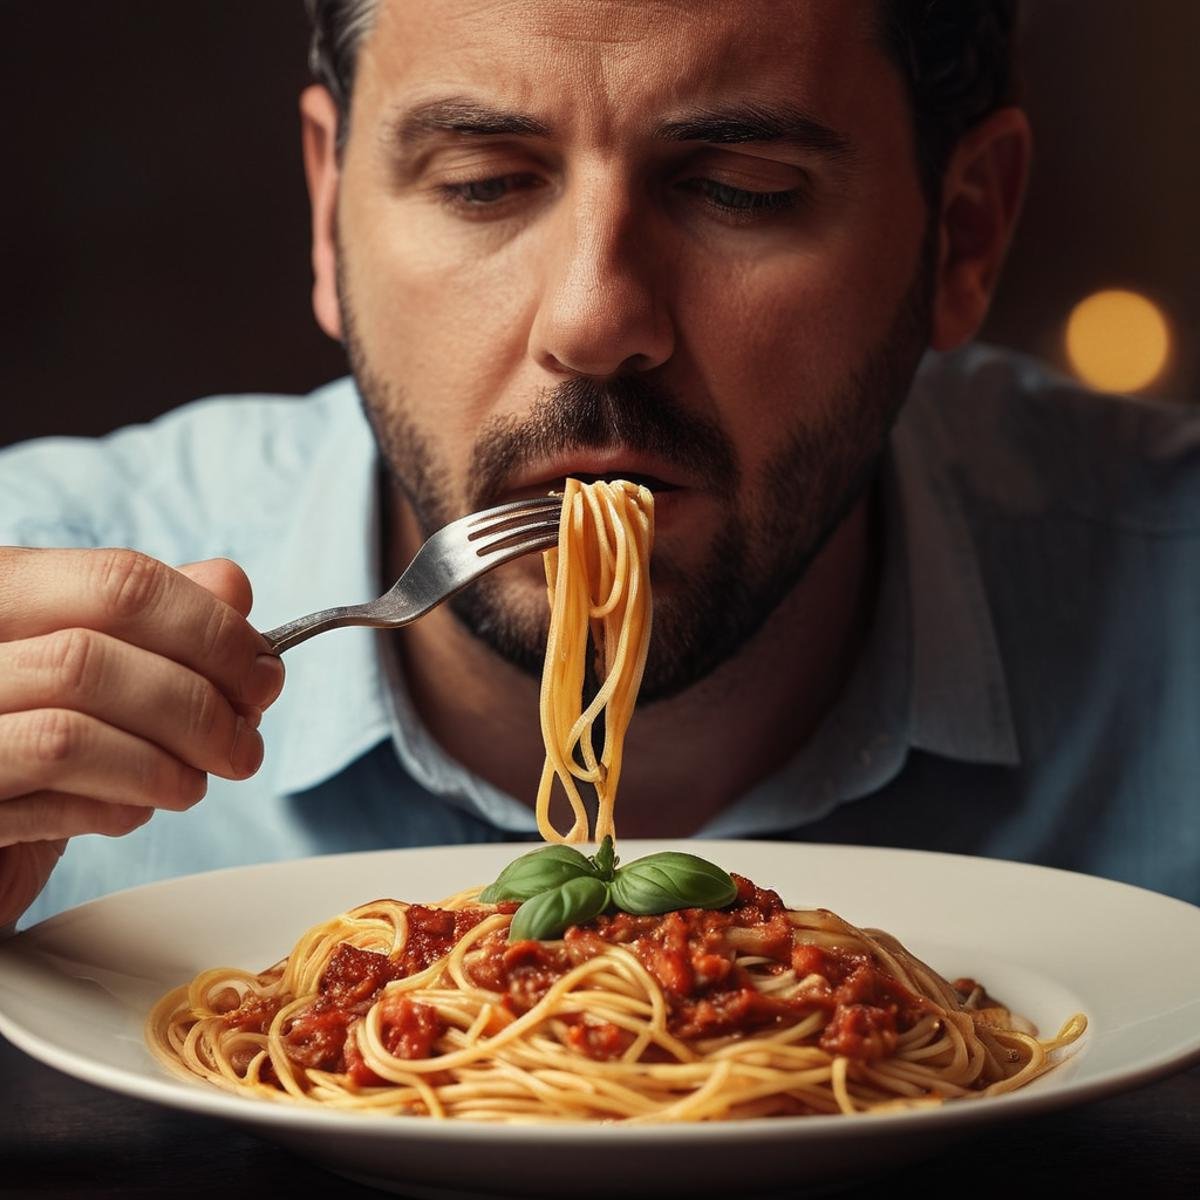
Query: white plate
x,y
74,992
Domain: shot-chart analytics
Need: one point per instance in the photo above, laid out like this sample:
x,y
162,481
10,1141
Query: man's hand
x,y
123,685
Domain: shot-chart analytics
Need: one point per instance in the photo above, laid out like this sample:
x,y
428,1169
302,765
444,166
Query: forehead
x,y
610,65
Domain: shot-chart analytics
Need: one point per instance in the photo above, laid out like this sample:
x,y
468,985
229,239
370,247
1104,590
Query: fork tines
x,y
520,526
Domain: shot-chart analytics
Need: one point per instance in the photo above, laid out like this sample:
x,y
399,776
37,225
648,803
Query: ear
x,y
982,190
319,126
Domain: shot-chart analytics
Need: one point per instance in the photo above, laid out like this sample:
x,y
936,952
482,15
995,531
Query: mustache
x,y
637,413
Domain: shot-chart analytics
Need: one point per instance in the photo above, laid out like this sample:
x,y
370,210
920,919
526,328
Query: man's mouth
x,y
537,481
647,481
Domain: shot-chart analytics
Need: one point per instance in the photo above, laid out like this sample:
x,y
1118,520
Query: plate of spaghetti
x,y
76,991
479,1020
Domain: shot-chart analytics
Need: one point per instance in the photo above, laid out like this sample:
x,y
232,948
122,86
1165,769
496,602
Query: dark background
x,y
153,221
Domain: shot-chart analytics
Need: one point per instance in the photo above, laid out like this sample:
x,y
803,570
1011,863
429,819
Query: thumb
x,y
225,579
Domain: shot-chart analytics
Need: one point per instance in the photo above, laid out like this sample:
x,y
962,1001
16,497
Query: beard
x,y
762,547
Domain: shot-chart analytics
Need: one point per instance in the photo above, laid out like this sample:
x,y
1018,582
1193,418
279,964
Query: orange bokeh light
x,y
1118,340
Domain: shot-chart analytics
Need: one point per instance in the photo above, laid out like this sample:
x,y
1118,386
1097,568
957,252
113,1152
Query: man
x,y
702,245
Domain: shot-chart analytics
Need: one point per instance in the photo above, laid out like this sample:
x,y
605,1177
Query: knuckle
x,y
53,737
129,583
72,660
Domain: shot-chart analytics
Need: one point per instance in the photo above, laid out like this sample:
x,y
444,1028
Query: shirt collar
x,y
959,701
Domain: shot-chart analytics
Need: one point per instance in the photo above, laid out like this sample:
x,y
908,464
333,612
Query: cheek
x,y
777,338
435,314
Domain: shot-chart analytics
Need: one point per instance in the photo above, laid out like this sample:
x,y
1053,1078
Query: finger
x,y
54,749
226,580
131,689
139,600
47,816
24,869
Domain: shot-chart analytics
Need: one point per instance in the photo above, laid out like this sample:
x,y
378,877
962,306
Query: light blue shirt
x,y
1030,687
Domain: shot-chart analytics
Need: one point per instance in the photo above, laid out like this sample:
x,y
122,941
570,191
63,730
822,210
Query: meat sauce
x,y
321,1035
690,953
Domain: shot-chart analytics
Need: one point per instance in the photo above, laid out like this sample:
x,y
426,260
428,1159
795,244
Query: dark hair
x,y
338,28
957,60
956,57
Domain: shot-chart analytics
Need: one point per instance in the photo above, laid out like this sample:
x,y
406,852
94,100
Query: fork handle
x,y
284,637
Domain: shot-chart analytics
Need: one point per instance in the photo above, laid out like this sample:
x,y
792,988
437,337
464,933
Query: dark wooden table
x,y
64,1139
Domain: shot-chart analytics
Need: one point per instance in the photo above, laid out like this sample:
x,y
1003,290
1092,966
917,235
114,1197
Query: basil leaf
x,y
604,859
539,871
548,914
664,882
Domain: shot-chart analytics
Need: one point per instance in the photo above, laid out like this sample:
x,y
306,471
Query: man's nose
x,y
603,308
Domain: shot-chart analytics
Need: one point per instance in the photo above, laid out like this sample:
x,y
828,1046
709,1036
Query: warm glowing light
x,y
1117,341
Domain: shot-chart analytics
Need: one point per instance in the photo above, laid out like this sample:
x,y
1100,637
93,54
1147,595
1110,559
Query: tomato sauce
x,y
254,1013
433,933
321,1036
690,953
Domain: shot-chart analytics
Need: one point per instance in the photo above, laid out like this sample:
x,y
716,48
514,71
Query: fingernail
x,y
265,681
247,753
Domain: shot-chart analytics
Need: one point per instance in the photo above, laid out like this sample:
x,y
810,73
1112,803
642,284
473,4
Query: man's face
x,y
676,242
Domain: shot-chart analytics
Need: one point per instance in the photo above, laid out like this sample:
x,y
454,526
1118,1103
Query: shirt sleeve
x,y
202,481
57,492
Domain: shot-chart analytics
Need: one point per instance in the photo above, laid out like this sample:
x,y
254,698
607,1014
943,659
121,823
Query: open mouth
x,y
551,475
647,481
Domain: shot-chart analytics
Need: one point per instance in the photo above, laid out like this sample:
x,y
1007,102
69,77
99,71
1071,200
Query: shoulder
x,y
1016,438
175,482
1078,514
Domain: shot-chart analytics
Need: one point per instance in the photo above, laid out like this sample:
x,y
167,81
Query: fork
x,y
452,558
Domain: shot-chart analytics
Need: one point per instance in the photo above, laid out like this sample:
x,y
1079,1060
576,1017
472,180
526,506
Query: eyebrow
x,y
460,116
735,125
758,123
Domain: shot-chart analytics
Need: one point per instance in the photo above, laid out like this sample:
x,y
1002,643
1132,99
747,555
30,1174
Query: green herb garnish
x,y
538,872
558,886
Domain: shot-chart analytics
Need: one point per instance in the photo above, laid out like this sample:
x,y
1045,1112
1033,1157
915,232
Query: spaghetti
x,y
598,583
745,1010
750,1011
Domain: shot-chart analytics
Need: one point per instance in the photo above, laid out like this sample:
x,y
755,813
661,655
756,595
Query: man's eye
x,y
740,201
479,193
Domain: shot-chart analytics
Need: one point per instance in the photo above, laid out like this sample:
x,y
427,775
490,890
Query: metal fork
x,y
453,557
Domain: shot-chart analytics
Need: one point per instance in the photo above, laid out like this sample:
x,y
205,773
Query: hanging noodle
x,y
598,582
748,1011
